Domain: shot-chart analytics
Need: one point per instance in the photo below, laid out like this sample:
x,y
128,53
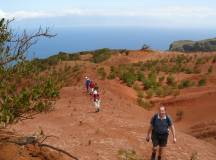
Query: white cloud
x,y
171,15
171,11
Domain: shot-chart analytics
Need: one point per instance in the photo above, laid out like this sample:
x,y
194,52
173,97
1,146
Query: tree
x,y
145,47
13,47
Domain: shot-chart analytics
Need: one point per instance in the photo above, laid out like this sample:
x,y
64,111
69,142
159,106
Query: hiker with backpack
x,y
96,99
87,84
159,128
91,86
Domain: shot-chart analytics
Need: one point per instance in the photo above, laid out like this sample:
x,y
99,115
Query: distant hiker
x,y
91,86
96,98
159,131
87,84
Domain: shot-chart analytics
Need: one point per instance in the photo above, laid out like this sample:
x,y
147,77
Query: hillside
x,y
120,128
207,45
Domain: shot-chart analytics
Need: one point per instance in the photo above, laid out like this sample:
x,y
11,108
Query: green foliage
x,y
50,89
113,73
151,81
140,76
101,55
101,72
210,69
202,82
185,84
63,56
128,77
144,103
149,93
170,80
34,92
139,91
42,106
161,79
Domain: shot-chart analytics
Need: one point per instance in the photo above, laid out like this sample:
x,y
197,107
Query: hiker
x,y
159,130
91,86
96,98
87,84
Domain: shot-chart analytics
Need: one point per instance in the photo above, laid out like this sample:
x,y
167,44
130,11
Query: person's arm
x,y
149,133
173,133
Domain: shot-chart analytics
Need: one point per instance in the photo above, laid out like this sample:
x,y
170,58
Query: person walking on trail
x,y
159,131
87,84
96,98
92,86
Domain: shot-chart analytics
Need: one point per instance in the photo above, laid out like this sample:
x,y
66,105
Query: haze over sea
x,y
75,39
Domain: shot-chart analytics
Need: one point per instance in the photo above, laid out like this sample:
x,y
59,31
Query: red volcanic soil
x,y
121,123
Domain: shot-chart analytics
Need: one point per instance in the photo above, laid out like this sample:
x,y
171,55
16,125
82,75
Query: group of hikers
x,y
160,125
92,89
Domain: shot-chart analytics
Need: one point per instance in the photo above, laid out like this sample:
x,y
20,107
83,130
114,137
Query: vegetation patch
x,y
101,55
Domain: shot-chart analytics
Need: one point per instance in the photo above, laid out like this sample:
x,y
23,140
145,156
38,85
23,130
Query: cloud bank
x,y
170,14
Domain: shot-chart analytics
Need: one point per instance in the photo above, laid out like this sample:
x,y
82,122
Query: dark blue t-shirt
x,y
87,82
161,126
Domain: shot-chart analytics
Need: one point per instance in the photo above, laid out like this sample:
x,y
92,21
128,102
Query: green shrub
x,y
144,103
202,82
185,84
101,72
166,91
50,90
101,55
161,79
112,73
151,81
210,69
188,70
140,76
128,78
159,91
73,57
170,80
149,93
139,91
196,69
42,106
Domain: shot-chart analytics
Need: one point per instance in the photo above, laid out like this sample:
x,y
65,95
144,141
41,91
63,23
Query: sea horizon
x,y
77,39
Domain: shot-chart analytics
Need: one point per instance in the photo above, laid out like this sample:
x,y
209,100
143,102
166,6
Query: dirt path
x,y
121,124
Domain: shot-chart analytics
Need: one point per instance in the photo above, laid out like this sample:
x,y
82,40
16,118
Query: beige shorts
x,y
97,104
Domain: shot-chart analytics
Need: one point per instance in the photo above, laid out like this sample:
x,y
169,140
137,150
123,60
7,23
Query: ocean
x,y
75,39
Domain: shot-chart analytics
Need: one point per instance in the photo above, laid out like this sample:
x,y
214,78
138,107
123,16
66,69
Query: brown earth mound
x,y
121,124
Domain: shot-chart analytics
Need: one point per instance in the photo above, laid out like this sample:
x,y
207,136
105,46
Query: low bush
x,y
202,82
129,78
113,73
170,80
101,72
101,55
144,103
185,84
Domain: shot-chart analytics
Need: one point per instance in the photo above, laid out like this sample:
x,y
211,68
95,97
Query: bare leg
x,y
161,152
154,150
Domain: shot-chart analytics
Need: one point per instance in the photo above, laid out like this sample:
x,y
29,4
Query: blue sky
x,y
154,13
